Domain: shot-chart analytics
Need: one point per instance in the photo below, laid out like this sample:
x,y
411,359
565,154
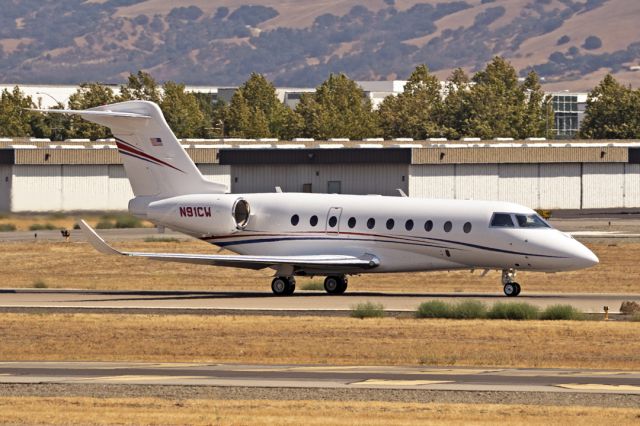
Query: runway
x,y
302,302
334,377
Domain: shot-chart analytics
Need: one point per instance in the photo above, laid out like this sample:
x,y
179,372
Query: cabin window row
x,y
390,223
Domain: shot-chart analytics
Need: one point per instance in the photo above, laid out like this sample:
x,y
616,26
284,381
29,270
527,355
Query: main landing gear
x,y
283,286
336,284
511,288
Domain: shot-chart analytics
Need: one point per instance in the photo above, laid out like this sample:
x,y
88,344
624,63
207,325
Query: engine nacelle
x,y
204,214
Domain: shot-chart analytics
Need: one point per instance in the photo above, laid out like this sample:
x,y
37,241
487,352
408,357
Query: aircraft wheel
x,y
335,284
517,288
281,286
291,287
511,289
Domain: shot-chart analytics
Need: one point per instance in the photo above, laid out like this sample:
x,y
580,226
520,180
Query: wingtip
x,y
95,240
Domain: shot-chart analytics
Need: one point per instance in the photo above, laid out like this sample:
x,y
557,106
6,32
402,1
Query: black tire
x,y
518,288
510,290
280,286
335,284
343,287
291,287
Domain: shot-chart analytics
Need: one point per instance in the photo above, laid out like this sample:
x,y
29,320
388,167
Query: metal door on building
x,y
333,221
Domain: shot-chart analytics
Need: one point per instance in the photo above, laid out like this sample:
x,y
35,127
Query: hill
x,y
571,43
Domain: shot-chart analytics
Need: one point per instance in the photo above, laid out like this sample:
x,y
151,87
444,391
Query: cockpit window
x,y
530,221
502,220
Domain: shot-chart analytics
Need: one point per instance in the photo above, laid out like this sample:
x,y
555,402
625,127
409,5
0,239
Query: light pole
x,y
54,99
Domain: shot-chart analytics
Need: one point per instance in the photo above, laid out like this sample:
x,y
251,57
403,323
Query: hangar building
x,y
75,176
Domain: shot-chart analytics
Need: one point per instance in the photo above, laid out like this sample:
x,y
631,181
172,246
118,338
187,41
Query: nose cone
x,y
583,257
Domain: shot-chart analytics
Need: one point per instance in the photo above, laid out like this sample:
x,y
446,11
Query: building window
x,y
313,221
295,219
448,226
428,225
408,225
371,223
390,224
467,227
352,222
333,221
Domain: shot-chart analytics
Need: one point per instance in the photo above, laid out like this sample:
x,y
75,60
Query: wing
x,y
333,263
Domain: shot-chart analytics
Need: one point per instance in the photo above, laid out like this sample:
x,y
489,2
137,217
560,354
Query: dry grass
x,y
146,411
77,265
318,340
23,221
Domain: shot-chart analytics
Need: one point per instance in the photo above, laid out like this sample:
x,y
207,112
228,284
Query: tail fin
x,y
155,162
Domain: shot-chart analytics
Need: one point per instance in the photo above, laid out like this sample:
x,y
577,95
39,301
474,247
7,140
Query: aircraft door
x,y
332,227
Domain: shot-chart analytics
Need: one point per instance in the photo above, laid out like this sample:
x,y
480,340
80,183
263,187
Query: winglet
x,y
96,240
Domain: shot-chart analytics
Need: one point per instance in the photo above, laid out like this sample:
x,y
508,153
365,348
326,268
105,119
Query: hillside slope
x,y
571,43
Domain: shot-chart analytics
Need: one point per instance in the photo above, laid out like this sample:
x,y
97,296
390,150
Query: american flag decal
x,y
156,141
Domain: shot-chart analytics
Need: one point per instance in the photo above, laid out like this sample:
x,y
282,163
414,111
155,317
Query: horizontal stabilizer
x,y
314,262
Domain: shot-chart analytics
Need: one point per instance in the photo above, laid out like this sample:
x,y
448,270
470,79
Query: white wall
x,y
560,186
603,185
539,186
432,181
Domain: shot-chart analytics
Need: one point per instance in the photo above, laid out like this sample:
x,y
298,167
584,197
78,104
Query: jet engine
x,y
202,214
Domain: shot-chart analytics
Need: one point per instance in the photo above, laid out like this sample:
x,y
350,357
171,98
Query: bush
x,y
630,307
313,285
367,310
126,221
119,221
469,309
7,227
513,311
42,227
40,284
592,42
635,317
161,240
434,309
105,224
561,312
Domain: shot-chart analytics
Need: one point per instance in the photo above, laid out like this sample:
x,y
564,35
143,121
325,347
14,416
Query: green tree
x,y
538,111
255,111
15,119
215,114
245,120
338,108
456,104
182,111
613,112
89,95
496,102
140,86
418,111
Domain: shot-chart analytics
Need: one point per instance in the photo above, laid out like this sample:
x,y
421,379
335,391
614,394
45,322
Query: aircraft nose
x,y
584,257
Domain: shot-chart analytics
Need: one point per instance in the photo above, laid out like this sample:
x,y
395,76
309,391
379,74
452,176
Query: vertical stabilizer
x,y
155,162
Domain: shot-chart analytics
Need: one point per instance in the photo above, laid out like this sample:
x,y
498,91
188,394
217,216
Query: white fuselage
x,y
460,235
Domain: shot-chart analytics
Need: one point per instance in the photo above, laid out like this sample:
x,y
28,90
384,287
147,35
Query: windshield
x,y
531,221
502,220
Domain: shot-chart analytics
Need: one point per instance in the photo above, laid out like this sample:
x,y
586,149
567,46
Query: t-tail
x,y
156,164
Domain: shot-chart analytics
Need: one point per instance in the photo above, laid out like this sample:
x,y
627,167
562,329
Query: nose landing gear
x,y
511,288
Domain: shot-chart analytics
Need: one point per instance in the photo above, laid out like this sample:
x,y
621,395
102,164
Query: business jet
x,y
330,235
